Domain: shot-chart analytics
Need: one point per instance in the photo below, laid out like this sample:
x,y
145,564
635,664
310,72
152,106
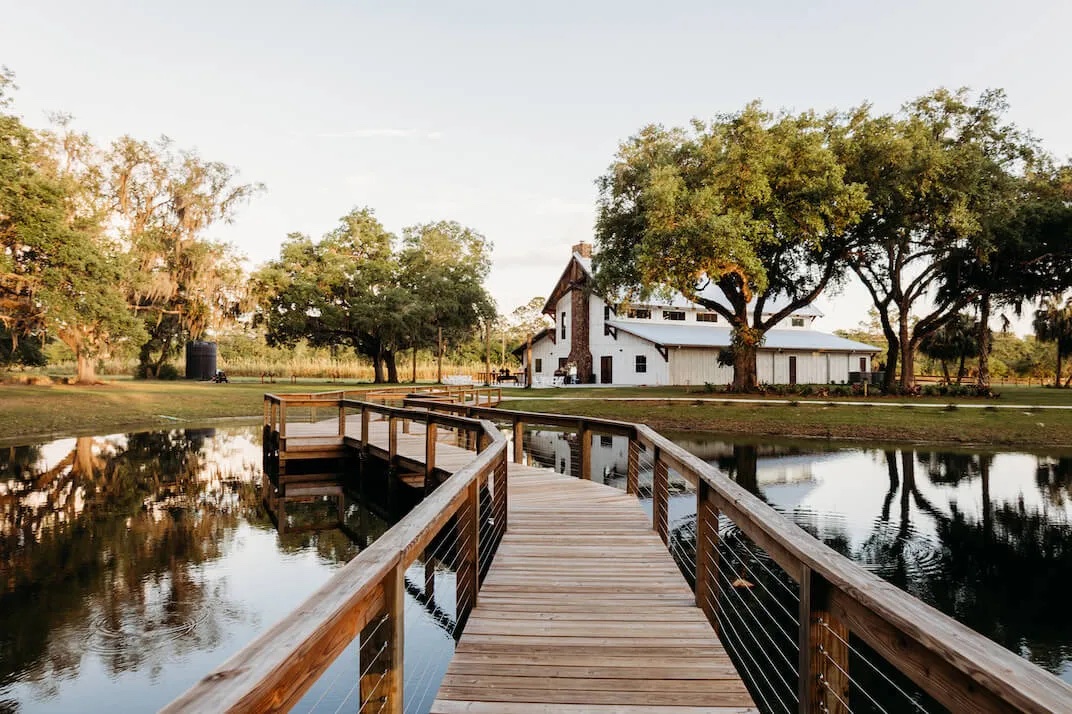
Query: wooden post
x,y
632,472
282,421
467,578
586,451
405,426
824,657
519,441
660,494
429,454
365,414
487,353
706,552
395,600
502,503
392,440
429,574
483,441
342,419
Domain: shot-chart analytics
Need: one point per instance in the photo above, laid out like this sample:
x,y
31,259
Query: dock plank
x,y
584,610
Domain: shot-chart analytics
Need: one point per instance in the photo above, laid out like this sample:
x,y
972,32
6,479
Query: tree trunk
x,y
945,370
392,367
528,363
893,354
439,358
960,369
377,367
907,356
87,369
415,365
745,374
1057,372
487,354
983,378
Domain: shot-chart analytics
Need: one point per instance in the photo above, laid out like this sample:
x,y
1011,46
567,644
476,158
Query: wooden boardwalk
x,y
583,610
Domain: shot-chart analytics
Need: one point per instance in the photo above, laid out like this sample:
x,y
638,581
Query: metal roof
x,y
671,335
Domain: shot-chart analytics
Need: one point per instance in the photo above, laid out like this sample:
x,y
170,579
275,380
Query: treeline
x,y
105,250
103,247
941,208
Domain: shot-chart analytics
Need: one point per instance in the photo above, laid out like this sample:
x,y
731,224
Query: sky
x,y
500,115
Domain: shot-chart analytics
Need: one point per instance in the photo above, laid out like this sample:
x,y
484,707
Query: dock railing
x,y
453,532
809,629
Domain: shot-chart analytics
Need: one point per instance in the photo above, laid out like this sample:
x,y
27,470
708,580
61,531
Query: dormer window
x,y
707,317
676,315
797,322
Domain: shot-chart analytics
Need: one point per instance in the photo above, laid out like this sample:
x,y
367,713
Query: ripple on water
x,y
109,636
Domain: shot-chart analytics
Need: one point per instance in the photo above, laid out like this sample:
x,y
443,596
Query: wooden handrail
x,y
958,667
275,670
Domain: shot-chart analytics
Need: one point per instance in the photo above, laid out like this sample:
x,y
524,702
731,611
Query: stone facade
x,y
580,351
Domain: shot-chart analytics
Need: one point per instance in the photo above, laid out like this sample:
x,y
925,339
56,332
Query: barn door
x,y
792,369
606,370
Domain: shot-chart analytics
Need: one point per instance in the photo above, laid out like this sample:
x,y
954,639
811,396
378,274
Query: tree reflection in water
x,y
107,545
1002,567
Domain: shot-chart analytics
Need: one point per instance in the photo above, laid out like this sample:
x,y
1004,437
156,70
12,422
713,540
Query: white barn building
x,y
676,341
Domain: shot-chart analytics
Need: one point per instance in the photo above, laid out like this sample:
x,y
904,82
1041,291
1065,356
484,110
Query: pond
x,y
133,564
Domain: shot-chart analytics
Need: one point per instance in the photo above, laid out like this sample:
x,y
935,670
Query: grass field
x,y
31,411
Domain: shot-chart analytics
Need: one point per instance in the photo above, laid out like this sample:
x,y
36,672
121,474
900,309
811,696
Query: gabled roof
x,y
545,332
774,303
578,270
672,335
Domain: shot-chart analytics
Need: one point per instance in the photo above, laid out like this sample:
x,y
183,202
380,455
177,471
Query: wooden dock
x,y
584,610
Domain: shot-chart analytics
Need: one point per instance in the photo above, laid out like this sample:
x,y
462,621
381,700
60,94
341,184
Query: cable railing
x,y
808,629
366,610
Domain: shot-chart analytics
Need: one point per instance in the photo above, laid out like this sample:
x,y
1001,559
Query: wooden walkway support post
x,y
282,420
519,441
632,470
467,578
395,597
392,441
342,419
586,450
707,552
365,415
823,685
660,496
429,454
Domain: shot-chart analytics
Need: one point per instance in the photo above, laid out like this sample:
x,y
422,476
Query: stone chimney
x,y
582,249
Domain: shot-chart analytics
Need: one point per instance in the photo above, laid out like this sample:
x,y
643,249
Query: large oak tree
x,y
755,203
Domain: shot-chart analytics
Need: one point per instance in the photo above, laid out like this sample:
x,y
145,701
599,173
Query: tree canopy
x,y
754,203
361,287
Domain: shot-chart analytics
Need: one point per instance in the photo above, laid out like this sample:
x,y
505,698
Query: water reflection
x,y
134,563
983,537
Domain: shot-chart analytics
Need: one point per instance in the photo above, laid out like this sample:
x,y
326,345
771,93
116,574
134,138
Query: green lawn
x,y
31,411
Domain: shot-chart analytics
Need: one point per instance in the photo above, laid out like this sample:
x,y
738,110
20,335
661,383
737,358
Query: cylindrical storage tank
x,y
200,360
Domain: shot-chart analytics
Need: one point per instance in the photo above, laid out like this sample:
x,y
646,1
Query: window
x,y
539,364
562,362
797,322
563,324
863,364
641,364
641,313
707,317
606,442
606,312
673,314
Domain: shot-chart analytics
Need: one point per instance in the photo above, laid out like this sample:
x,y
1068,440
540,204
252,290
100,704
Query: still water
x,y
132,564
